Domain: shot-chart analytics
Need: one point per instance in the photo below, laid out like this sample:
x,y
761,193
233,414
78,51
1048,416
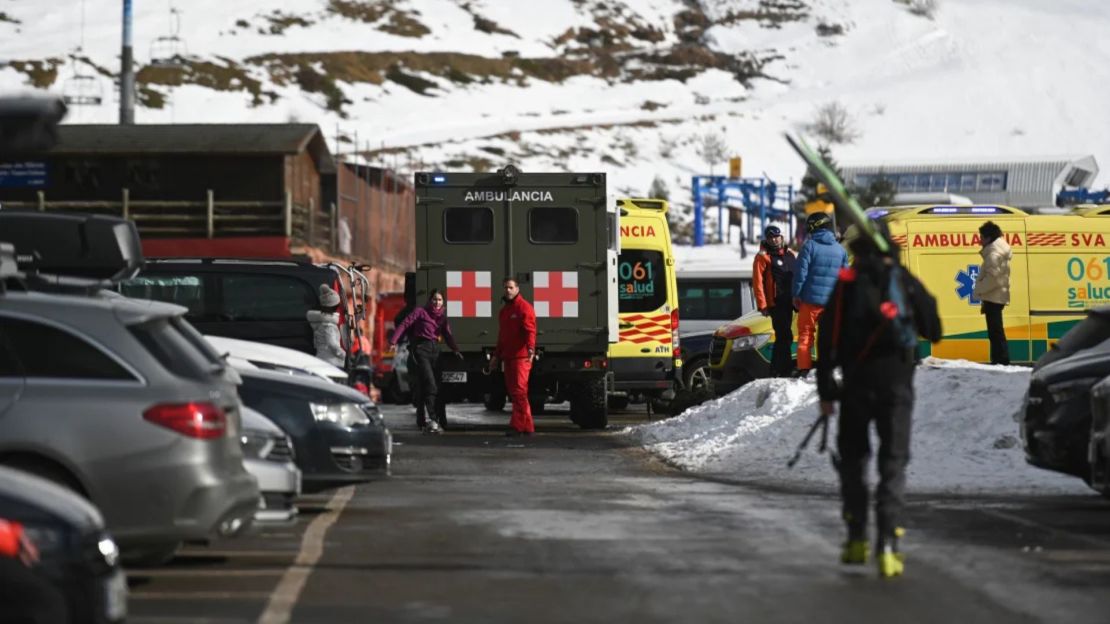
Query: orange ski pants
x,y
808,314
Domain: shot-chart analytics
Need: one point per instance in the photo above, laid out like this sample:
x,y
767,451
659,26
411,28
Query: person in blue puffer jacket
x,y
815,276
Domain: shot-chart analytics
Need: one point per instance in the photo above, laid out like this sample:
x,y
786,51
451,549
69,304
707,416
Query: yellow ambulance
x,y
646,360
1060,269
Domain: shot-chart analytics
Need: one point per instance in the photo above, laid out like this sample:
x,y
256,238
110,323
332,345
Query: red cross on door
x,y
469,294
556,294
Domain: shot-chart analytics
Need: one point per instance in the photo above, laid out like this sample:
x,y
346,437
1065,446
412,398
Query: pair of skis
x,y
845,204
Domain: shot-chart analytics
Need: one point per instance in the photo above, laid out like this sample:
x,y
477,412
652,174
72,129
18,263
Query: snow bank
x,y
965,434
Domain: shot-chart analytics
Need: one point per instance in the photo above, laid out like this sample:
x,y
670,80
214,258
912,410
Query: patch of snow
x,y
965,434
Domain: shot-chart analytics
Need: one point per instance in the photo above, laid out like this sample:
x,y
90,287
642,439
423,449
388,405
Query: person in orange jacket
x,y
773,278
516,348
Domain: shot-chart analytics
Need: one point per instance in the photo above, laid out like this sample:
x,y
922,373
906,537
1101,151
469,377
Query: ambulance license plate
x,y
453,377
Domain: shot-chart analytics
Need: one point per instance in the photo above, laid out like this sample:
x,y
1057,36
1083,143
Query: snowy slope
x,y
984,77
965,434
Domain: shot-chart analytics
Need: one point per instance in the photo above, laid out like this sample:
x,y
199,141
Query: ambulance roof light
x,y
978,210
439,179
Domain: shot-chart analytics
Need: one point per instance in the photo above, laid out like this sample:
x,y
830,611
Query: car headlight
x,y
256,444
753,341
1071,389
344,414
374,413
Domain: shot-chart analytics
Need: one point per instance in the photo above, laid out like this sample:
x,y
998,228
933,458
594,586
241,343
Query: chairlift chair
x,y
168,52
82,89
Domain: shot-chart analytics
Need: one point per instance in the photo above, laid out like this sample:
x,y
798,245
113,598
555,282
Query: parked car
x,y
117,399
338,434
268,456
1056,424
76,555
1098,449
707,300
257,300
249,354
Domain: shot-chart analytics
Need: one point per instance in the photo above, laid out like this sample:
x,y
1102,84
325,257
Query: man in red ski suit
x,y
516,346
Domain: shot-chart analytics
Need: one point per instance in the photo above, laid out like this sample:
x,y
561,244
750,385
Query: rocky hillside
x,y
648,90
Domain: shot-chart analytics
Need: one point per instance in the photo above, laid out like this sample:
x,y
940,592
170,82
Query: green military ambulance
x,y
558,236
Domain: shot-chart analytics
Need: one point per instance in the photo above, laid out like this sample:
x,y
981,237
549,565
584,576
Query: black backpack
x,y
888,310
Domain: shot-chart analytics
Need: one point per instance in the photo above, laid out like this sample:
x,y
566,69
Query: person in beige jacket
x,y
992,287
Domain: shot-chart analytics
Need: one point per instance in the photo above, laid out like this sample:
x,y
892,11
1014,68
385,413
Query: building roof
x,y
243,139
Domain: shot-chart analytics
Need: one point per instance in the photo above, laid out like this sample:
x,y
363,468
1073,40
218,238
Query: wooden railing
x,y
210,218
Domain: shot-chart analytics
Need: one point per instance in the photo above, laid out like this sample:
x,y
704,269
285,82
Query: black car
x,y
1056,424
1098,450
339,436
78,563
259,300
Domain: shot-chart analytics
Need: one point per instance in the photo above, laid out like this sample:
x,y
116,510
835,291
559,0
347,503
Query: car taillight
x,y
676,350
203,421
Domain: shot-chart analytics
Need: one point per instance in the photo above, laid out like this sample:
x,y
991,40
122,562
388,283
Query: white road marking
x,y
284,598
208,572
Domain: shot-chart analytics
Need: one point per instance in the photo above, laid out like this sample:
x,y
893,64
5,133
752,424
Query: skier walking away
x,y
425,326
773,278
819,263
870,331
516,347
992,287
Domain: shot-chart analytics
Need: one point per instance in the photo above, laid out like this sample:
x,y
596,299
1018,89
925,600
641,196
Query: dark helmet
x,y
771,231
817,221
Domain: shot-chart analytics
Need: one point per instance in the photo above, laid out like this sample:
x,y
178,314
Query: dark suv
x,y
259,300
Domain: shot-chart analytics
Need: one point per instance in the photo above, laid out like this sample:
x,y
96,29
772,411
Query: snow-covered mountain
x,y
626,86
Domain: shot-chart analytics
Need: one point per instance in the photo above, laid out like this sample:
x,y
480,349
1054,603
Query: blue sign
x,y
28,174
965,283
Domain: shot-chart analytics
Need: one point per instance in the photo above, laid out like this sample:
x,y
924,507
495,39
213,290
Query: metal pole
x,y
699,223
210,213
127,72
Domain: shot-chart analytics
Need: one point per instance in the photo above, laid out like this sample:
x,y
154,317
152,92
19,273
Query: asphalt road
x,y
570,526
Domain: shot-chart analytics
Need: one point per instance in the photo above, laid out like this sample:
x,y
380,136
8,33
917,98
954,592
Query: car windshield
x,y
643,281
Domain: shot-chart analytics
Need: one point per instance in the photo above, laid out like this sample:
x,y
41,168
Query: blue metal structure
x,y
1082,195
759,197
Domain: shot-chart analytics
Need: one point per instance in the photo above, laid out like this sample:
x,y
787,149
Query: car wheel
x,y
495,400
697,377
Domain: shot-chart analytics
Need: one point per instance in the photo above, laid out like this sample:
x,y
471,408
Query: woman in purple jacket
x,y
424,327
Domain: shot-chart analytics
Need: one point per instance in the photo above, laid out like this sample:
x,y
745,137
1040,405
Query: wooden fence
x,y
210,218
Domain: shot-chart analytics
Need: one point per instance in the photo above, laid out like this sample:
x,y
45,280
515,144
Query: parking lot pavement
x,y
572,526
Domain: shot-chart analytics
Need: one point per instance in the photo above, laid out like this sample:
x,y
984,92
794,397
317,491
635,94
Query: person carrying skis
x,y
516,347
425,327
992,287
876,313
773,276
819,262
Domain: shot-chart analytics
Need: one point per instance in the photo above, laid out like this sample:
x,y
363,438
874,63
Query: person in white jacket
x,y
325,328
992,288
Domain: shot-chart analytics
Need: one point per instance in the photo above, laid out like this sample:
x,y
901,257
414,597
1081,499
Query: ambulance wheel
x,y
495,400
589,409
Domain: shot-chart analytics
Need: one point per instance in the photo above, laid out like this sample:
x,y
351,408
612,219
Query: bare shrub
x,y
833,124
712,149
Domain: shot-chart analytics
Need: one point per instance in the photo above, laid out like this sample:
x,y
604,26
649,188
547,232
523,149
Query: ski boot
x,y
855,552
889,557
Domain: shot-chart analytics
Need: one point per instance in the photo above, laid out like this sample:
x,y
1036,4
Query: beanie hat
x,y
328,297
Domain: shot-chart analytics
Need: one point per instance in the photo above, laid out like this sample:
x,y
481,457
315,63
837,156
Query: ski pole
x,y
822,419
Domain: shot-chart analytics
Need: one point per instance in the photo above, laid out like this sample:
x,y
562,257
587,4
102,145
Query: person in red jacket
x,y
516,347
773,274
